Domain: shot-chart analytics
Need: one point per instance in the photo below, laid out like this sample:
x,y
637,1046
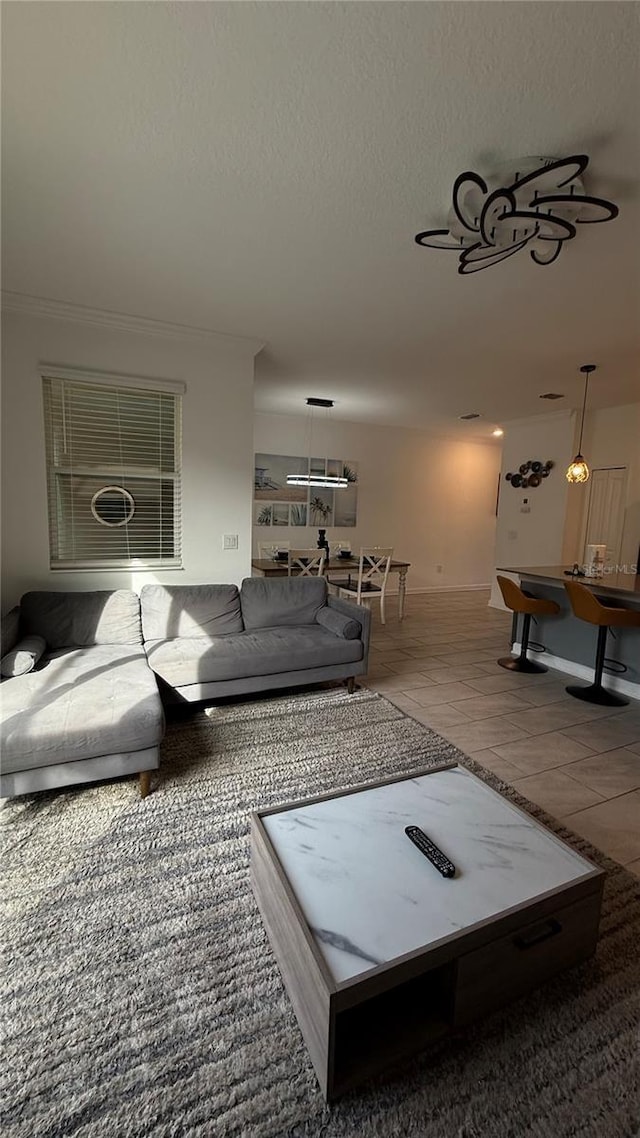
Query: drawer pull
x,y
538,935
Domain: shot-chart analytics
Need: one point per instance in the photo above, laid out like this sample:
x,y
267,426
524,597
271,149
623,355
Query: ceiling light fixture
x,y
498,432
535,202
578,471
324,481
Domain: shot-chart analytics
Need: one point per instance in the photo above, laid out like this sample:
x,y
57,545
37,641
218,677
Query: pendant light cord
x,y
584,404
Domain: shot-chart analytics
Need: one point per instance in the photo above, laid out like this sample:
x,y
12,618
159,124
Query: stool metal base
x,y
595,693
518,664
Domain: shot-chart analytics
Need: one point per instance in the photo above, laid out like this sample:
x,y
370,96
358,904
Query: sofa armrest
x,y
361,613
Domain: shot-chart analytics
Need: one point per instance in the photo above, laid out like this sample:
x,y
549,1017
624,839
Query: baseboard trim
x,y
449,588
583,672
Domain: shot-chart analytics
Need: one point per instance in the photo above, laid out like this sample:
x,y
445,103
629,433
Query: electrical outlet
x,y
230,541
525,507
512,534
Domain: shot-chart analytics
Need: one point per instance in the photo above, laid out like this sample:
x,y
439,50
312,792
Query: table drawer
x,y
512,965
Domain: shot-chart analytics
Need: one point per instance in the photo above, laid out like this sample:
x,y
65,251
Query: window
x,y
113,473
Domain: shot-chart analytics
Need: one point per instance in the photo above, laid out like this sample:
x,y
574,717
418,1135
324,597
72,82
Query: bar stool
x,y
517,601
587,607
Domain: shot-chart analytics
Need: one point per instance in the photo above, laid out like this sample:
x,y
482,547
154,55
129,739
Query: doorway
x,y
605,512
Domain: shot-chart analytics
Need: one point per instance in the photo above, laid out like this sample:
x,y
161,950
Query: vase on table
x,y
322,542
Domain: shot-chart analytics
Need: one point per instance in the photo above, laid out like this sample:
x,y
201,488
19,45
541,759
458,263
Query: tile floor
x,y
580,762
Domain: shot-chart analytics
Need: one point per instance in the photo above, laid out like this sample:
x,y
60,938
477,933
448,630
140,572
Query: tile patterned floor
x,y
578,761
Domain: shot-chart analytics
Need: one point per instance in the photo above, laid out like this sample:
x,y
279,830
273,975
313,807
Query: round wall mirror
x,y
113,506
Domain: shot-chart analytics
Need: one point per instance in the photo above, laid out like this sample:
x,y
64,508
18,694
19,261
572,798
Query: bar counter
x,y
570,643
625,585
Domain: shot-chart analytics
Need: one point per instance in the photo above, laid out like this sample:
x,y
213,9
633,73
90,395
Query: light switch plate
x,y
230,541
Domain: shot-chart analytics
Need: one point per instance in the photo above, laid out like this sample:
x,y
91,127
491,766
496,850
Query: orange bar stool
x,y
517,601
587,607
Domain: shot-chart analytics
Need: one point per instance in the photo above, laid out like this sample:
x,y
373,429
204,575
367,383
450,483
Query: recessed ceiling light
x,y
471,415
551,395
498,432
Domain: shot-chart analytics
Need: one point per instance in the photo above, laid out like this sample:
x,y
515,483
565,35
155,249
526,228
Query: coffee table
x,y
379,953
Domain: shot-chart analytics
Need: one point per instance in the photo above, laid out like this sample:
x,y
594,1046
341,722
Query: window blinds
x,y
100,436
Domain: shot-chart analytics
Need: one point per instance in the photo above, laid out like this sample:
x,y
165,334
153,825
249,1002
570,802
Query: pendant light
x,y
324,481
578,470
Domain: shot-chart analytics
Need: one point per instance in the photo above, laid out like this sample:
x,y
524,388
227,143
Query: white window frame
x,y
112,473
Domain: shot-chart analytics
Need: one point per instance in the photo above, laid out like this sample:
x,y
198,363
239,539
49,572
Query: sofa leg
x,y
145,783
351,684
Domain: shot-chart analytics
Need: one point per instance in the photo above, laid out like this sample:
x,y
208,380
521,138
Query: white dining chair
x,y
306,562
371,581
267,549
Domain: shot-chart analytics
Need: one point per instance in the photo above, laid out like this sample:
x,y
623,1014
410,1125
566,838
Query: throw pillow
x,y
339,624
24,656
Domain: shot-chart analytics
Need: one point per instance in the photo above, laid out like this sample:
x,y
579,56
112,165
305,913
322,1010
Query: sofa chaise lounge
x,y
90,709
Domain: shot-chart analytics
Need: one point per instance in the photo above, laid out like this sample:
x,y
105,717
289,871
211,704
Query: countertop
x,y
615,584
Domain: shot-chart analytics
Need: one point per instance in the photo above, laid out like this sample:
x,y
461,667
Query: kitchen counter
x,y
618,584
570,643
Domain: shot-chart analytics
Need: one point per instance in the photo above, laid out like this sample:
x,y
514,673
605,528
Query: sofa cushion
x,y
80,704
190,611
69,620
24,657
269,602
263,652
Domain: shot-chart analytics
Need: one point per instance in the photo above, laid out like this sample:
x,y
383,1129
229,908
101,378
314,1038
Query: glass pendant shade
x,y
578,470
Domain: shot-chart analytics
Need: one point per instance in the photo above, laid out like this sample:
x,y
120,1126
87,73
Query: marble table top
x,y
369,896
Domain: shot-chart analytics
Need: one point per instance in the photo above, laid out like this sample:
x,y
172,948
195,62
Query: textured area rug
x,y
141,998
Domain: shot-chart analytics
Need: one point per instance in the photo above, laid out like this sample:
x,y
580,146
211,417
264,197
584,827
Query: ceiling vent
x,y
312,401
551,395
472,415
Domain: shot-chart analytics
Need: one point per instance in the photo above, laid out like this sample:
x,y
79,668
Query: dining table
x,y
336,566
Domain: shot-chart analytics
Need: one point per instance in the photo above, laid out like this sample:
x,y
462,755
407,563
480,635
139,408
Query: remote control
x,y
431,851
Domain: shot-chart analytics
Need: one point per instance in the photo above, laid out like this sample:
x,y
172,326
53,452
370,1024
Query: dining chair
x,y
267,549
306,562
371,581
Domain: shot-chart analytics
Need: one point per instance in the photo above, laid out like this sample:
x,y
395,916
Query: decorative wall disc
x,y
529,474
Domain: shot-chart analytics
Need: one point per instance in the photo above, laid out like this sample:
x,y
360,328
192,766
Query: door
x,y
605,517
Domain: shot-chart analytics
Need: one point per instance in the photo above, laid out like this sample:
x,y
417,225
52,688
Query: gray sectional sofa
x,y
213,641
91,708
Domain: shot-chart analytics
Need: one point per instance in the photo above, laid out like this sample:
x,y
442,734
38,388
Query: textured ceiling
x,y
262,169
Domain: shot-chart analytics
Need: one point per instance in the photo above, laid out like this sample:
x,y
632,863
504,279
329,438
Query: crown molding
x,y
121,322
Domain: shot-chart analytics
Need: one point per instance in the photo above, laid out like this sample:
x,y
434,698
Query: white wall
x,y
217,446
536,537
611,438
431,498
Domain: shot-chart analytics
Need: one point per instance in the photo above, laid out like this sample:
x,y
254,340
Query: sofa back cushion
x,y
68,620
270,602
190,611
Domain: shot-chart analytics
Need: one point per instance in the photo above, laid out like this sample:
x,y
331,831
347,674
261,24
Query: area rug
x,y
140,996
